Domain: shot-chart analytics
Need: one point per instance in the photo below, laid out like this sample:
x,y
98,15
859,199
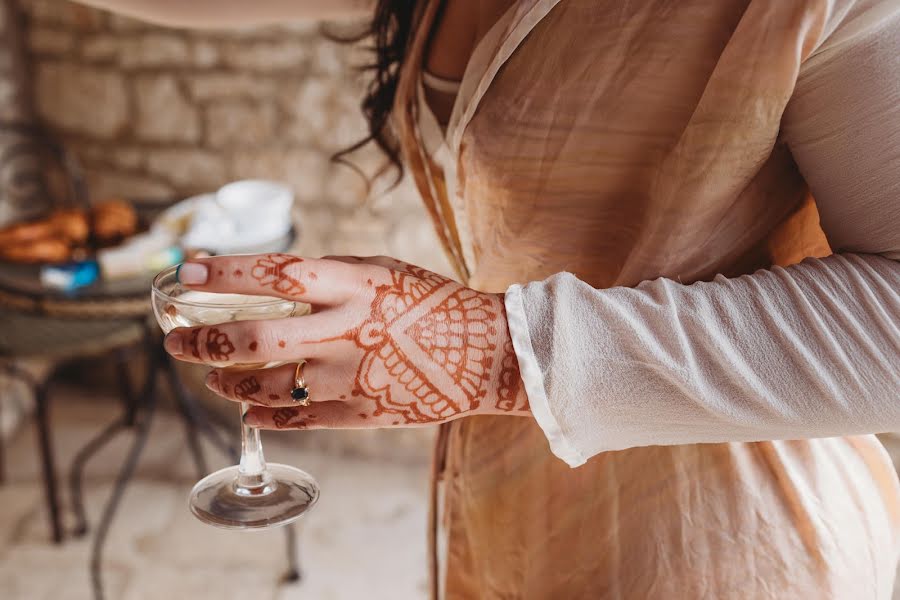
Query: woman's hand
x,y
387,344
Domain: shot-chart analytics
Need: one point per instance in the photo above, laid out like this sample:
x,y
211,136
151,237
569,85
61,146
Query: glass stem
x,y
252,470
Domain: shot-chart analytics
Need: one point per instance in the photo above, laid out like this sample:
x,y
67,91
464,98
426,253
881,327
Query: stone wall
x,y
163,113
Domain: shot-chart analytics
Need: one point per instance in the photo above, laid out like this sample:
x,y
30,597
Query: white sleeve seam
x,y
533,379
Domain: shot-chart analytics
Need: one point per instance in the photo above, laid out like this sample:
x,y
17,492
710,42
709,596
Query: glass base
x,y
283,496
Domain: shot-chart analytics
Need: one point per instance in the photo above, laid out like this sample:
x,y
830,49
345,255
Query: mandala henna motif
x,y
424,314
218,346
247,388
269,271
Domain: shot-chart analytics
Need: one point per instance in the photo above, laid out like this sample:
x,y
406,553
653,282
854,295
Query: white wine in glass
x,y
253,494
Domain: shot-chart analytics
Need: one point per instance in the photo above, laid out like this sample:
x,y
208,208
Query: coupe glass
x,y
251,495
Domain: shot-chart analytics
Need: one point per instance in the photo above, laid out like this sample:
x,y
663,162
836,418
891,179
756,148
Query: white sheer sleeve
x,y
812,350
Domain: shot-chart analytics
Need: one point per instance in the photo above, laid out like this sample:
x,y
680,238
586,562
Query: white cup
x,y
258,207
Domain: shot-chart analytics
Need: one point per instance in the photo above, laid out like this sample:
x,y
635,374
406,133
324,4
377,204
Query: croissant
x,y
35,251
114,220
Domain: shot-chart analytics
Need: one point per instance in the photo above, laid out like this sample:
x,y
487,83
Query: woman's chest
x,y
621,143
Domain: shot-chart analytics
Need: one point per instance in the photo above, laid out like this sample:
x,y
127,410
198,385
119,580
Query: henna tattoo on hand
x,y
510,395
284,416
194,343
429,339
218,346
269,271
247,388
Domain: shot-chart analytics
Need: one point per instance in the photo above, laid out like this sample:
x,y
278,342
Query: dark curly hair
x,y
389,35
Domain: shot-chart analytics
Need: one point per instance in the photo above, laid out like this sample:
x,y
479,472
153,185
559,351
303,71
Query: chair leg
x,y
126,420
76,471
49,468
146,405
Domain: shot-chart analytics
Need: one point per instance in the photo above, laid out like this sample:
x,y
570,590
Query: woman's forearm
x,y
232,13
812,350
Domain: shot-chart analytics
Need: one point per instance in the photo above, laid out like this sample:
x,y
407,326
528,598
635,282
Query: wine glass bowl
x,y
251,495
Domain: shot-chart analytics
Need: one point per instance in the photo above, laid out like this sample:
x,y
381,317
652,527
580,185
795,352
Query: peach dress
x,y
585,133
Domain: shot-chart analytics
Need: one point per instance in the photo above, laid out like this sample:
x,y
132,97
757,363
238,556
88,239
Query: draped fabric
x,y
623,142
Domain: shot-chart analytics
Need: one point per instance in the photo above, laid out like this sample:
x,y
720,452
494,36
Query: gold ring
x,y
300,392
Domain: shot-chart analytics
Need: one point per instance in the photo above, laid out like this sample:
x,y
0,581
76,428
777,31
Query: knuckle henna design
x,y
283,417
270,271
246,389
194,343
218,346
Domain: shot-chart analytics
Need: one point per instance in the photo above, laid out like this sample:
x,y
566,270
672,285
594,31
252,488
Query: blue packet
x,y
70,276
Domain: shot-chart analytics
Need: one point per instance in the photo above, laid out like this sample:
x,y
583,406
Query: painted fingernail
x,y
193,273
173,343
252,420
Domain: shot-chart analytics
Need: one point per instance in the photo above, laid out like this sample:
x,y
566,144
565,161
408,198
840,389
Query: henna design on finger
x,y
274,396
218,346
194,343
269,271
253,346
246,388
282,417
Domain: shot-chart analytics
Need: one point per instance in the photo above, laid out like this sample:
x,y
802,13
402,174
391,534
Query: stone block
x,y
155,50
126,24
121,156
106,183
204,54
304,170
86,100
208,86
345,187
101,48
237,123
312,106
329,58
163,111
46,41
189,170
76,16
268,55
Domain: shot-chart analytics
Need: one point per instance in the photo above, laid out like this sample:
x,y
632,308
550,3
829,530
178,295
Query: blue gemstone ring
x,y
300,392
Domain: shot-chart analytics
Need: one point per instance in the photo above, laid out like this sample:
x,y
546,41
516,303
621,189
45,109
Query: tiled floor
x,y
365,539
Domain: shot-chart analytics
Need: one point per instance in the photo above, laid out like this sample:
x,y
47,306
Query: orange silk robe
x,y
584,134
